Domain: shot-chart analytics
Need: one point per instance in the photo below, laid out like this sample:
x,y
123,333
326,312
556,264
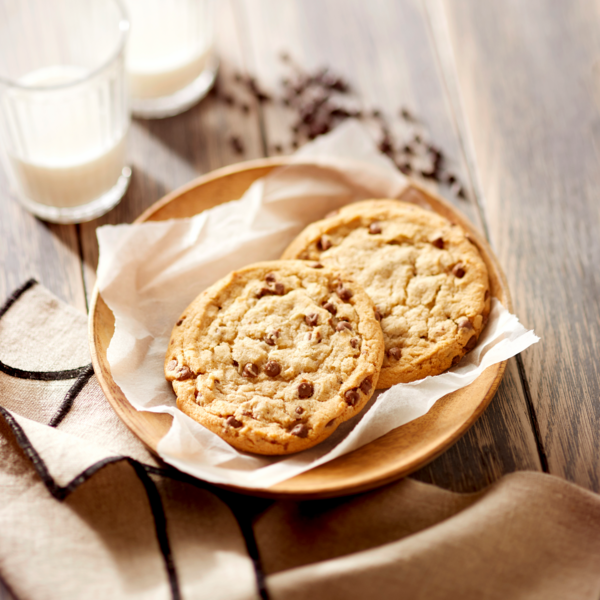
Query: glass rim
x,y
123,24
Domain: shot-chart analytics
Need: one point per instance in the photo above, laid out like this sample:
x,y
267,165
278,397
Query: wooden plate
x,y
390,457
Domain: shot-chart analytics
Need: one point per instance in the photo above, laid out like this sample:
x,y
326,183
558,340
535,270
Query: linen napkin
x,y
87,512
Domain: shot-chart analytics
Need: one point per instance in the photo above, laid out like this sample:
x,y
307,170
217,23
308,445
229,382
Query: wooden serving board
x,y
390,457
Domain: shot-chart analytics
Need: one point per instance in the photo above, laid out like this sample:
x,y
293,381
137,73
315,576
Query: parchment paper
x,y
148,273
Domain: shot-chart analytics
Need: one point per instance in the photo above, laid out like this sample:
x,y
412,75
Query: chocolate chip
x,y
183,373
331,307
343,326
374,228
395,352
196,394
306,389
250,370
464,323
365,386
179,322
351,397
471,343
172,365
272,368
458,270
312,319
377,314
299,410
317,266
456,359
300,431
235,363
344,293
233,422
438,243
354,343
279,289
270,278
271,338
324,243
486,295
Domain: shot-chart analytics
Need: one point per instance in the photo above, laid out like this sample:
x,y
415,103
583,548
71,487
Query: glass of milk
x,y
64,112
170,60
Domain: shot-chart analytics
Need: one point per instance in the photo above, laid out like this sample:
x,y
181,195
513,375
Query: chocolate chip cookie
x,y
428,281
276,355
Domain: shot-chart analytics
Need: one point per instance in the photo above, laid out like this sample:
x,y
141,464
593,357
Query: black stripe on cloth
x,y
61,492
69,399
16,295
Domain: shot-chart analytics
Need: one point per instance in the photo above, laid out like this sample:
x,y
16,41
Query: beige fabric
x,y
62,536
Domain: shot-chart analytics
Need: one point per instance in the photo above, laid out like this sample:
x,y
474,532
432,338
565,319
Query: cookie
x,y
427,280
275,356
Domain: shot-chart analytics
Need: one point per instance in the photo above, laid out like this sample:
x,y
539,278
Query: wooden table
x,y
507,90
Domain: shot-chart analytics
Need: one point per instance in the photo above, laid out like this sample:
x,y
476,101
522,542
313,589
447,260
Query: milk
x,y
65,150
169,45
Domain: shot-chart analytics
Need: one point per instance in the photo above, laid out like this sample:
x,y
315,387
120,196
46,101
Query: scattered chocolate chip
x,y
179,322
377,314
343,292
270,278
279,288
354,343
464,323
343,326
305,389
324,243
317,265
237,144
300,431
312,319
183,373
365,386
331,307
374,228
458,270
471,343
250,370
456,359
299,410
235,363
233,422
395,352
438,243
486,295
351,397
196,394
172,365
272,368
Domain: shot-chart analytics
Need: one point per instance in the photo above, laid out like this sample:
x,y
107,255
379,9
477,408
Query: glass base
x,y
169,106
84,212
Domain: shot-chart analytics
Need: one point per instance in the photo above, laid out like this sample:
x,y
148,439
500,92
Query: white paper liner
x,y
148,273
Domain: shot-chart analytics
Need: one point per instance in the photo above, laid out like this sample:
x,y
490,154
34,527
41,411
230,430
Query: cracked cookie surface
x,y
427,280
275,356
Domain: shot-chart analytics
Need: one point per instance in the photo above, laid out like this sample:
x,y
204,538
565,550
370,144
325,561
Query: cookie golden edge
x,y
245,438
438,360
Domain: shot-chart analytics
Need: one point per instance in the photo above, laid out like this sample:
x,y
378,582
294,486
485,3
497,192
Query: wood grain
x,y
167,153
525,76
395,454
386,51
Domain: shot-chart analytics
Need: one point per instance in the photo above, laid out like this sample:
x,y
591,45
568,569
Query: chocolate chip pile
x,y
319,101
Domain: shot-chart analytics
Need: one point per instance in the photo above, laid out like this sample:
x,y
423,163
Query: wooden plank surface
x,y
384,50
525,73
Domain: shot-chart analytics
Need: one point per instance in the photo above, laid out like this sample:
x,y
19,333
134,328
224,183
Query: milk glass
x,y
64,115
170,61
